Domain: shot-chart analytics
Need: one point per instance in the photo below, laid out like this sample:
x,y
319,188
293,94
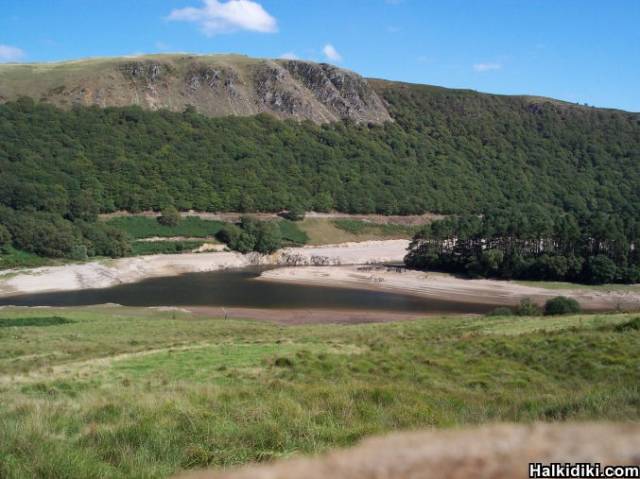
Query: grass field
x,y
140,227
291,233
145,227
163,247
384,231
332,231
13,258
124,392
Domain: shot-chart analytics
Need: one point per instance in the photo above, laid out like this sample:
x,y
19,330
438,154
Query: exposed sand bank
x,y
128,270
113,272
443,286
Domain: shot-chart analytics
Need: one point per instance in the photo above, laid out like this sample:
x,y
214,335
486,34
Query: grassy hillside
x,y
214,85
139,393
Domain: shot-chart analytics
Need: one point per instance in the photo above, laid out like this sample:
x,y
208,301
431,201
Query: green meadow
x,y
125,392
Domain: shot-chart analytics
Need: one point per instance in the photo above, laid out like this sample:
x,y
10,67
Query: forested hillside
x,y
446,151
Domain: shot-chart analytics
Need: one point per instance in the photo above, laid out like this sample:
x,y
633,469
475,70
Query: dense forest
x,y
447,151
532,242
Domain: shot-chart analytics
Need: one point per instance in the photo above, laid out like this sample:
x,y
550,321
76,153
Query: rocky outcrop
x,y
215,85
489,452
343,92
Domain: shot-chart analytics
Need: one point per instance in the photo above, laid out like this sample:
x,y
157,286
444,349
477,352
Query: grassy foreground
x,y
124,392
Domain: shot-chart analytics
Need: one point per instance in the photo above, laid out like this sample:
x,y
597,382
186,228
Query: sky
x,y
584,51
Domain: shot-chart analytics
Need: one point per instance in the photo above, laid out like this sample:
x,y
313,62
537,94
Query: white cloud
x,y
289,56
331,53
486,67
217,17
162,46
10,54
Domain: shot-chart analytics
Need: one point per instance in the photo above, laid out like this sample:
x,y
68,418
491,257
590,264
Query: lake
x,y
238,288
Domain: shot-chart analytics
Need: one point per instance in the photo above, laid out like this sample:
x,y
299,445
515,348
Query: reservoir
x,y
239,288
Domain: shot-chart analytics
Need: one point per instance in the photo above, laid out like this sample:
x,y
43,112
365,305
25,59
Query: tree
x,y
169,217
269,238
294,213
5,238
599,270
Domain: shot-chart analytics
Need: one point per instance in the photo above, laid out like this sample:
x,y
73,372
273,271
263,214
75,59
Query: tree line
x,y
532,242
446,151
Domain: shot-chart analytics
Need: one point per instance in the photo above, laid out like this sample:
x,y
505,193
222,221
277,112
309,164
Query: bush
x,y
252,235
104,240
78,252
169,217
528,308
501,311
269,238
295,213
561,305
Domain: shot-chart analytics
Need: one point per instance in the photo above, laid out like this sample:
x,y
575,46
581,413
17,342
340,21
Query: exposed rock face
x,y
217,85
341,91
489,452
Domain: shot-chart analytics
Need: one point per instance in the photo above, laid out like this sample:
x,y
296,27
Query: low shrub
x,y
528,308
295,213
631,325
561,305
169,217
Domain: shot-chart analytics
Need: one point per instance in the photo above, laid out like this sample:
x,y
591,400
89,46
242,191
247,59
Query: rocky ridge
x,y
215,85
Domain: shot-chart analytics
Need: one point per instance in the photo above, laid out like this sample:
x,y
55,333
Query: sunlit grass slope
x,y
119,392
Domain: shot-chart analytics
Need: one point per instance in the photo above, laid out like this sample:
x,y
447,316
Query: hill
x,y
443,151
215,85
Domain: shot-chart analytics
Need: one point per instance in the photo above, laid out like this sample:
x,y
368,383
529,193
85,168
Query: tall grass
x,y
253,392
291,233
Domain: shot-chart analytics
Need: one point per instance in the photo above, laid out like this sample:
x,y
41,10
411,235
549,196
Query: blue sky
x,y
585,51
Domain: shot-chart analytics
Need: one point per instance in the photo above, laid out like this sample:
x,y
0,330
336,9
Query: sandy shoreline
x,y
443,286
104,274
350,265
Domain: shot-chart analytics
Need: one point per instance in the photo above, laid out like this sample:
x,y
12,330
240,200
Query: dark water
x,y
238,288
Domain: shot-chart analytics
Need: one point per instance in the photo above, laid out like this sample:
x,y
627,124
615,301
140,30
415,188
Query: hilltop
x,y
215,85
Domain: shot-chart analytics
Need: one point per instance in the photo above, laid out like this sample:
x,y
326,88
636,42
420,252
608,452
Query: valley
x,y
208,261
